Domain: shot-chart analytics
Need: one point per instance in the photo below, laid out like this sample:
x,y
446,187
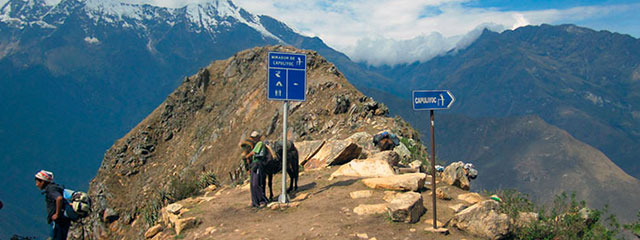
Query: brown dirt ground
x,y
326,214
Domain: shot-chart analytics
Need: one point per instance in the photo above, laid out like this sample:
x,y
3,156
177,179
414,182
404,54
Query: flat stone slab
x,y
403,182
371,167
361,194
443,231
370,209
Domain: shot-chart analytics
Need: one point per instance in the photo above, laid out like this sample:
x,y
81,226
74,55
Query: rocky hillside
x,y
196,131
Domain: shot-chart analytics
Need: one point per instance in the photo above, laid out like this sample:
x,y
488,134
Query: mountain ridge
x,y
210,113
75,74
575,78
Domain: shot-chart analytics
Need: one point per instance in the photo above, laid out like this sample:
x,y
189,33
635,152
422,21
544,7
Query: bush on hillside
x,y
634,227
178,188
568,218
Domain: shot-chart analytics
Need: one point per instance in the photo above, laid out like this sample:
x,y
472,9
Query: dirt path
x,y
327,213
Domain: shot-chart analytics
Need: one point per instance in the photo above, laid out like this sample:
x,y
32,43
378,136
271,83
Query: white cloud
x,y
91,40
404,31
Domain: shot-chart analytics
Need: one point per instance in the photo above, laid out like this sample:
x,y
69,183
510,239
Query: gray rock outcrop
x,y
483,219
406,207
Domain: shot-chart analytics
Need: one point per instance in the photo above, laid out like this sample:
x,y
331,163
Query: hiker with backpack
x,y
247,146
258,157
55,205
386,141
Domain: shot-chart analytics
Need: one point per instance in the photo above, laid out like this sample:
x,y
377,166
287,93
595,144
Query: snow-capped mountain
x,y
210,17
78,74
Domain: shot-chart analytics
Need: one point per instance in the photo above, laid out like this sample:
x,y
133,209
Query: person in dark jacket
x,y
55,205
258,158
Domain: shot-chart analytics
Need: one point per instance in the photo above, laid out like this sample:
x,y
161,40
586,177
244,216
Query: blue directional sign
x,y
432,99
287,76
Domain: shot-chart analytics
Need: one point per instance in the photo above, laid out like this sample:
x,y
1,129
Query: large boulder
x,y
377,166
151,232
471,198
403,152
334,153
363,139
455,175
390,156
306,149
406,207
403,182
185,223
483,219
443,193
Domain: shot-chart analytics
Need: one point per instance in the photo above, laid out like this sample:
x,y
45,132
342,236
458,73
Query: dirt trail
x,y
327,213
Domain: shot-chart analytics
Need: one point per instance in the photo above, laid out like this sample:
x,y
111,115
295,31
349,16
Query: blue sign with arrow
x,y
287,76
432,99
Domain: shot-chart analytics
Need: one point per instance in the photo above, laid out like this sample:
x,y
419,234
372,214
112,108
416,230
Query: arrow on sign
x,y
278,84
432,99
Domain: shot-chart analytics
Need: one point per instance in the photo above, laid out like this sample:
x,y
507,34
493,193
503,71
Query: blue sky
x,y
623,21
400,31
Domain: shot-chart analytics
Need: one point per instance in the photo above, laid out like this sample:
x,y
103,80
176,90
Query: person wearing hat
x,y
247,149
257,156
55,205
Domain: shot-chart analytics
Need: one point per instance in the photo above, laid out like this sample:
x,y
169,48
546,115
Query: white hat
x,y
255,134
45,176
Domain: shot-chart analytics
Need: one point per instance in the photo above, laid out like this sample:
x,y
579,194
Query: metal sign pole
x,y
433,171
283,196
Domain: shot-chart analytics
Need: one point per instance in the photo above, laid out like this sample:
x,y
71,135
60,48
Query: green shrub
x,y
178,188
568,218
206,179
151,211
634,227
514,202
416,149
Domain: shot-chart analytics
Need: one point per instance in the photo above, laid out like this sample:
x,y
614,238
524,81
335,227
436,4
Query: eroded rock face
x,y
454,175
214,110
334,153
406,207
403,182
483,219
306,149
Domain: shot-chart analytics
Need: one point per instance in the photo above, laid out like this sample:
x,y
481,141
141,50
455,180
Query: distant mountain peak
x,y
209,16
